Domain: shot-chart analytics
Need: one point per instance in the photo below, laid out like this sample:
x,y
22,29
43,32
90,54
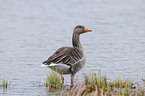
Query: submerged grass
x,y
5,85
101,86
54,81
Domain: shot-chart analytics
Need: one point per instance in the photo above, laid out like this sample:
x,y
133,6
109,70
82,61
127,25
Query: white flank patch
x,y
57,65
44,65
53,64
60,65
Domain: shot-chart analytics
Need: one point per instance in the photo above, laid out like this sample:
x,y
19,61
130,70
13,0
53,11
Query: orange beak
x,y
87,30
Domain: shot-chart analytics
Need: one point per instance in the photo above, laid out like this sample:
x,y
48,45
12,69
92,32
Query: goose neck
x,y
76,40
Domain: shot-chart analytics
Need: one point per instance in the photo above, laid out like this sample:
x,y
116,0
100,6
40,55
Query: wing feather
x,y
65,55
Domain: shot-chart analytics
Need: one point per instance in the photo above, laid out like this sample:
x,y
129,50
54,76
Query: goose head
x,y
79,29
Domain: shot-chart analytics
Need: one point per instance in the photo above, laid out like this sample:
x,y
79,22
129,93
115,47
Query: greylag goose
x,y
69,60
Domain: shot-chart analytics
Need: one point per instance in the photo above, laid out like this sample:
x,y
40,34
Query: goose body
x,y
69,60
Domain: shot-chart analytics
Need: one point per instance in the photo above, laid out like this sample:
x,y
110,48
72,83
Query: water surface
x,y
31,30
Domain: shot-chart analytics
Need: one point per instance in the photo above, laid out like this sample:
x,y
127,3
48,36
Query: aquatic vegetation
x,y
5,84
54,80
101,86
93,85
38,83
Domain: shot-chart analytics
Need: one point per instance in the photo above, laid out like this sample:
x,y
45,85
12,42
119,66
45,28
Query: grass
x,y
54,81
101,86
5,85
93,85
38,83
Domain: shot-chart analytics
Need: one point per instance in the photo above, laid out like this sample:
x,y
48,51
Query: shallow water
x,y
32,30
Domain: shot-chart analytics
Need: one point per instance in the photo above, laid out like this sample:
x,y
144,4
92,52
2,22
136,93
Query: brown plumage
x,y
69,60
65,55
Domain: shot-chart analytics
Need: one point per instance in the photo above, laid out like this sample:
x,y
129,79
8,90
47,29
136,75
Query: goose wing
x,y
65,55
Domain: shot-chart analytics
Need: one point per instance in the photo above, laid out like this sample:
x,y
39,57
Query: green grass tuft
x,y
54,80
5,85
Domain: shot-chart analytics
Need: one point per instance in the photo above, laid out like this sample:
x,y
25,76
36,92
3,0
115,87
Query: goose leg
x,y
72,80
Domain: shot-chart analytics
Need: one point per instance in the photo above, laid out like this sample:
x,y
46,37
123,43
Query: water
x,y
32,30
